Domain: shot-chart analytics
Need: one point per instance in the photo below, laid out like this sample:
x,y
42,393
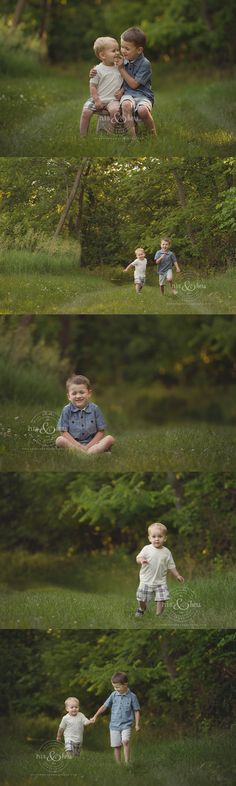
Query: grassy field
x,y
40,115
26,289
28,435
38,593
188,761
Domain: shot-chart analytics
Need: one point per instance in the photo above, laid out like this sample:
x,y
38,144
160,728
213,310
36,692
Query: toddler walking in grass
x,y
81,422
72,727
125,709
155,560
165,259
105,85
139,264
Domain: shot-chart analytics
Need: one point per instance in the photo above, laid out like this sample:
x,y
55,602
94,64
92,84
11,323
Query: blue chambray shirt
x,y
140,69
82,424
123,707
167,262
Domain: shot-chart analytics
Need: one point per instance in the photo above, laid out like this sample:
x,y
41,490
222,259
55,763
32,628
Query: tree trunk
x,y
168,659
19,10
79,217
206,15
82,170
182,200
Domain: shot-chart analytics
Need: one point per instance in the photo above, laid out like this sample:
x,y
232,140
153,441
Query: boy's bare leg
x,y
142,605
114,109
173,287
138,288
128,118
101,447
146,116
160,607
63,442
162,289
126,748
84,121
117,752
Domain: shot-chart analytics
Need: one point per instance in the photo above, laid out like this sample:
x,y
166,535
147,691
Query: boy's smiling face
x,y
79,395
130,50
107,55
72,708
165,246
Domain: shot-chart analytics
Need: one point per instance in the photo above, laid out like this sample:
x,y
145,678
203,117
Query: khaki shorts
x,y
136,102
118,736
163,277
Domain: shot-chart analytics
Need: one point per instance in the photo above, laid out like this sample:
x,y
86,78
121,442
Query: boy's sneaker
x,y
139,613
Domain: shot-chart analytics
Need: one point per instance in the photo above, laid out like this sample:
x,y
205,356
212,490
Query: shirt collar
x,y
73,408
135,59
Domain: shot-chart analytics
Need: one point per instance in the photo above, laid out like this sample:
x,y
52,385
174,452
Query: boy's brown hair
x,y
135,35
121,677
78,379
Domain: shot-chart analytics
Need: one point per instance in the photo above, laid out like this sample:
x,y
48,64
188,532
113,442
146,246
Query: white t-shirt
x,y
139,267
73,726
107,81
159,562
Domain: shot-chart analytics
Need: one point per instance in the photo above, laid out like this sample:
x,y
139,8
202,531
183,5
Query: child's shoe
x,y
139,613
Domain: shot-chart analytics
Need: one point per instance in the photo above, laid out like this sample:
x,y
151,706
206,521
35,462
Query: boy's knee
x,y
143,112
59,442
127,106
126,743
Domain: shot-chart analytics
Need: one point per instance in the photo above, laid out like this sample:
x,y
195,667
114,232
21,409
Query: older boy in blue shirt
x,y
135,70
81,422
125,709
165,259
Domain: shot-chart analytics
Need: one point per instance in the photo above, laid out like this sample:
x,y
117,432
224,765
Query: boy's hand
x,y
144,562
137,728
178,270
92,72
58,738
93,719
119,93
180,579
98,103
118,60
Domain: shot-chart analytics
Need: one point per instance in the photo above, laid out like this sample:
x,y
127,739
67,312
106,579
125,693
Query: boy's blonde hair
x,y
101,44
139,249
71,698
160,526
165,240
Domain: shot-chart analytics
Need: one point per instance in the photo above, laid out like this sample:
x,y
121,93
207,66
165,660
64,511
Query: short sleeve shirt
x,y
107,81
166,263
139,69
123,706
82,424
159,562
139,267
73,727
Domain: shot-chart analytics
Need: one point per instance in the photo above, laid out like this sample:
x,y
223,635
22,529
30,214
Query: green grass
x,y
188,761
35,283
40,593
27,443
194,114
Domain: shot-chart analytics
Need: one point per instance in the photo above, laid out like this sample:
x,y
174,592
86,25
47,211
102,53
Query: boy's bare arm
x,y
94,94
128,267
59,734
141,560
119,62
176,574
159,259
137,720
99,712
177,266
97,438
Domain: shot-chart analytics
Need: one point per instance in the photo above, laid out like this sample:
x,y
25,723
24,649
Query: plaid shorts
x,y
73,747
140,280
146,593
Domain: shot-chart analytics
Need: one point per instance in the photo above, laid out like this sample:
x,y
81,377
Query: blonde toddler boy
x,y
105,85
72,727
155,560
139,264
